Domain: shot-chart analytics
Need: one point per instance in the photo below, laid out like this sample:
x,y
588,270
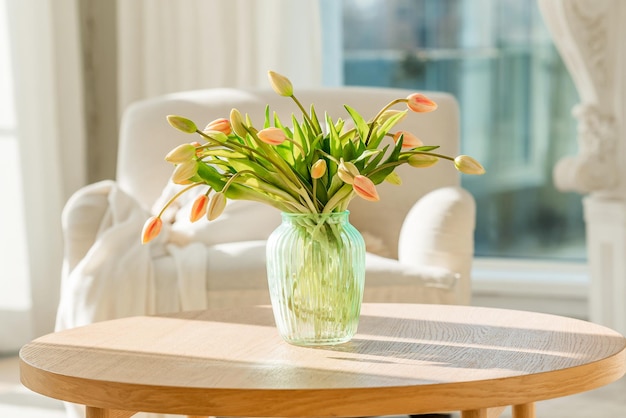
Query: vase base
x,y
317,343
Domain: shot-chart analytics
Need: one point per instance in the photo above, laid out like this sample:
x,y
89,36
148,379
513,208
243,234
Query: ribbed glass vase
x,y
316,274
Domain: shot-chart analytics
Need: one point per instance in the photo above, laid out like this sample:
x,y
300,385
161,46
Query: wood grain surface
x,y
405,359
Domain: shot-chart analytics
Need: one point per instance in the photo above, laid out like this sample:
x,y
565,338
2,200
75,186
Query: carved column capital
x,y
587,34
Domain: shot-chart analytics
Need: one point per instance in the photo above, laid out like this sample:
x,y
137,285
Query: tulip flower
x,y
280,84
318,169
218,136
221,124
236,122
272,136
151,229
422,160
183,172
182,124
468,165
408,139
216,206
347,171
390,113
199,208
419,103
365,188
181,154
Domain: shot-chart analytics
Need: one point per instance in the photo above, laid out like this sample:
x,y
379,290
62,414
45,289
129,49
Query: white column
x,y
591,37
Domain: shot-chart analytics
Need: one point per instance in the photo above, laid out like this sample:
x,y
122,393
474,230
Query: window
x,y
15,300
496,57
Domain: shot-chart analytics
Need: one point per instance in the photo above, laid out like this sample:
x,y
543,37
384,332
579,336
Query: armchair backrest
x,y
146,137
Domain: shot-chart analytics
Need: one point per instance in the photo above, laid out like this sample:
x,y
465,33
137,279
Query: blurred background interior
x,y
68,69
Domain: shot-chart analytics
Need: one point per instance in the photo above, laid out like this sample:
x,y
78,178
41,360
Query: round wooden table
x,y
405,359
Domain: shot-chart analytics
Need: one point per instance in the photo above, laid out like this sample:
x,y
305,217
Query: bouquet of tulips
x,y
311,166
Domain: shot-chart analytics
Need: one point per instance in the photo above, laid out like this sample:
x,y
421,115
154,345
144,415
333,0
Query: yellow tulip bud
x,y
181,154
182,124
318,169
217,136
280,84
347,171
422,160
216,206
183,172
236,122
468,165
388,114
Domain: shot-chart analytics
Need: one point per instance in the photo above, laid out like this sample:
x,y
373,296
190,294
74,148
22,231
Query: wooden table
x,y
405,359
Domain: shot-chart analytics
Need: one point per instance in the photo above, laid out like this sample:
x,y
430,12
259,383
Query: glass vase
x,y
316,275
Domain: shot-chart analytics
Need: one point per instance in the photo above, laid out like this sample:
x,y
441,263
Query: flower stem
x,y
305,114
378,115
176,196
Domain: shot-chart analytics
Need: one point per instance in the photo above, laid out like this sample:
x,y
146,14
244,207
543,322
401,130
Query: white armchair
x,y
419,235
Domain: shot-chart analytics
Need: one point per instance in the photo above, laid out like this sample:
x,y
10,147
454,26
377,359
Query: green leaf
x,y
368,153
266,123
378,134
380,175
333,136
376,161
219,152
361,126
426,148
316,123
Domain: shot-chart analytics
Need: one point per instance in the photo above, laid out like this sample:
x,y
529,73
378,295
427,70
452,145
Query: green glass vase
x,y
316,275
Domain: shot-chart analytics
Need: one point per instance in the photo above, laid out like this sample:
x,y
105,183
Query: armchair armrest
x,y
438,231
81,219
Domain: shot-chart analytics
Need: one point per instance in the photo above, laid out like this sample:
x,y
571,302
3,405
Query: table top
x,y
405,358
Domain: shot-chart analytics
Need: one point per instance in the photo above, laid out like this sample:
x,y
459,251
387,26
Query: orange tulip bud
x,y
365,188
468,165
408,139
151,229
422,160
199,207
280,84
222,125
272,136
318,169
419,103
216,206
181,154
182,124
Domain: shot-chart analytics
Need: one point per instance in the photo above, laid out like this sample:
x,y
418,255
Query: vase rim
x,y
316,214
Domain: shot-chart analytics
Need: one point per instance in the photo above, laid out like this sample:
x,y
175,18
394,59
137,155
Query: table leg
x,y
526,410
484,413
93,412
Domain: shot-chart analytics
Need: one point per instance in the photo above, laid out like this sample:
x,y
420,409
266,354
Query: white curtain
x,y
173,45
45,57
162,46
